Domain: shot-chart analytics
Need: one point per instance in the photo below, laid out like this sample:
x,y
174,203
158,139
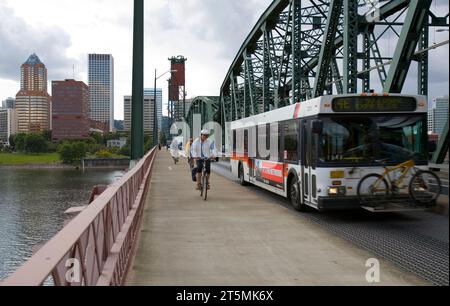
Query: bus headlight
x,y
337,190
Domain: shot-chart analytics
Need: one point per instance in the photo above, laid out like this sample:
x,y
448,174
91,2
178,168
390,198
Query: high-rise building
x,y
70,110
3,126
438,115
150,92
8,124
9,103
101,88
148,114
33,101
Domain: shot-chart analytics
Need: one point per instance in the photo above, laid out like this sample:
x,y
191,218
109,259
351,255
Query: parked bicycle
x,y
423,188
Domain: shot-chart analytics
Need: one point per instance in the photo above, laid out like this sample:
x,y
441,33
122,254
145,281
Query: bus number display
x,y
374,104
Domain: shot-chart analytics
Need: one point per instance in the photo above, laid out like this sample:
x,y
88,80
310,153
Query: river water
x,y
32,205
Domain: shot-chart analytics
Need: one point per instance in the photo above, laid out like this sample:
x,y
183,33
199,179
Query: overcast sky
x,y
207,32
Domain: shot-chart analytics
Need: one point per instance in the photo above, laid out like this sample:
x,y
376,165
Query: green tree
x,y
126,150
80,149
19,142
103,154
72,152
98,138
35,143
66,153
47,135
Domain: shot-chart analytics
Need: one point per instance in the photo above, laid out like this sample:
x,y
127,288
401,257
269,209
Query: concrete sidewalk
x,y
238,238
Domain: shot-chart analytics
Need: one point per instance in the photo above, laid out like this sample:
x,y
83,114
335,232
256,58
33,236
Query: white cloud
x,y
207,32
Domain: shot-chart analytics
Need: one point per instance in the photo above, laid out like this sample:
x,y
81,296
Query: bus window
x,y
290,141
314,150
276,136
234,142
263,144
304,144
246,142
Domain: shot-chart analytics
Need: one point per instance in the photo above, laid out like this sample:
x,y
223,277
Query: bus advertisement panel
x,y
270,173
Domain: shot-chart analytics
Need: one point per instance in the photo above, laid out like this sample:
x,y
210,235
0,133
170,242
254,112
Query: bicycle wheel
x,y
373,190
202,186
205,186
425,187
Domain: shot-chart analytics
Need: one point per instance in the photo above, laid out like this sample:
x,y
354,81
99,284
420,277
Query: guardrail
x,y
95,248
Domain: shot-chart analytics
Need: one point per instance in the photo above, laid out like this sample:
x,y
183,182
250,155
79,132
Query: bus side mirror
x,y
317,127
432,146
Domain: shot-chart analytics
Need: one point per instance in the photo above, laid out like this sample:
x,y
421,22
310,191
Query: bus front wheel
x,y
295,195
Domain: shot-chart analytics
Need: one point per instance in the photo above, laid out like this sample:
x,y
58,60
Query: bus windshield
x,y
366,139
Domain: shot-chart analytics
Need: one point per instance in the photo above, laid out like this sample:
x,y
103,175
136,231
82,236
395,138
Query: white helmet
x,y
205,132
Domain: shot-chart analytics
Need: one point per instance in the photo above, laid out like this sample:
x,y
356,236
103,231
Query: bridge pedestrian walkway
x,y
238,238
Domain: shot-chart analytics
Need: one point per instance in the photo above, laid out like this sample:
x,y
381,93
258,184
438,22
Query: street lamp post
x,y
137,120
155,115
155,109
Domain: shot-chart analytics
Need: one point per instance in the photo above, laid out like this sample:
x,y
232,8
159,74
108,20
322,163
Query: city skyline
x,y
210,50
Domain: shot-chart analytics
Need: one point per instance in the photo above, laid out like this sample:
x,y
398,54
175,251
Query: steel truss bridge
x,y
301,49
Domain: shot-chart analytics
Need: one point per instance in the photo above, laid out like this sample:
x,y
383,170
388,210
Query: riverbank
x,y
37,167
12,159
21,161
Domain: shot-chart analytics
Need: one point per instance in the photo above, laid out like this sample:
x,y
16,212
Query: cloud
x,y
224,24
18,40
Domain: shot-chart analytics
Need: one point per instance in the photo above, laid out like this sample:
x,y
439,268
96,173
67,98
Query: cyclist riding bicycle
x,y
203,150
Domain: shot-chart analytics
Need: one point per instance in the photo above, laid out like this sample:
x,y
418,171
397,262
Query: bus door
x,y
250,139
310,131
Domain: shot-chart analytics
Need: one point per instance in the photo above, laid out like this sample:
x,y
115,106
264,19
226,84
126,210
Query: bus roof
x,y
313,107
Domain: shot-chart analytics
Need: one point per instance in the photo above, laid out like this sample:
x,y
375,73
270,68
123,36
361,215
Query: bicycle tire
x,y
205,185
366,197
420,193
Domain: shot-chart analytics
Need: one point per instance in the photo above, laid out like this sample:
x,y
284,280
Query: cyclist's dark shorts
x,y
200,166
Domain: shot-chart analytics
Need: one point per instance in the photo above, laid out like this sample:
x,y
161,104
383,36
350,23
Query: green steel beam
x,y
409,38
137,107
327,49
250,89
337,77
285,52
442,148
268,72
366,63
422,85
350,46
297,73
207,107
378,60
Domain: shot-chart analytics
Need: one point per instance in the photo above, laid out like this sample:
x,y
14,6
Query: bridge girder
x,y
207,107
300,49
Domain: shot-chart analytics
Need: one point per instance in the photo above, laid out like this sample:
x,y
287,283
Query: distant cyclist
x,y
174,150
187,150
203,151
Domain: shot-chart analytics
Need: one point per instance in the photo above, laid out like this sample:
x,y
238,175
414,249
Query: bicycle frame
x,y
405,169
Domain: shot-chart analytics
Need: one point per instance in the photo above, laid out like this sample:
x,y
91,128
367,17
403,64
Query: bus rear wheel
x,y
295,195
241,175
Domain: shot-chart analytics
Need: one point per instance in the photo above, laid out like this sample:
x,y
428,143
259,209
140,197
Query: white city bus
x,y
326,145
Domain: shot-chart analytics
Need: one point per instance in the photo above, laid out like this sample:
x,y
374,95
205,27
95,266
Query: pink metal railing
x,y
101,239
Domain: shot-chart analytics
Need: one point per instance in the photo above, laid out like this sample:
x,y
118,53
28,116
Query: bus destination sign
x,y
374,104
